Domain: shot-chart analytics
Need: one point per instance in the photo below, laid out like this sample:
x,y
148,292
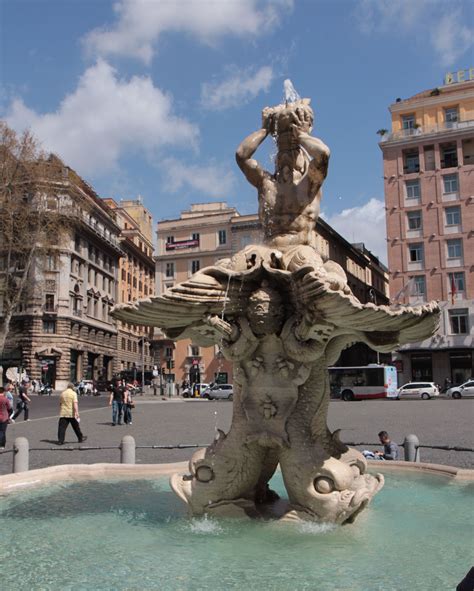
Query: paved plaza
x,y
175,421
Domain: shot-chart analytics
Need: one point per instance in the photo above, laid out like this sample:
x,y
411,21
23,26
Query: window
x,y
415,253
456,280
194,350
453,216
454,248
169,239
412,162
195,236
419,285
49,302
49,326
450,183
195,266
169,269
222,237
123,343
51,262
129,345
169,352
414,220
459,321
134,346
449,155
77,244
408,121
451,115
412,189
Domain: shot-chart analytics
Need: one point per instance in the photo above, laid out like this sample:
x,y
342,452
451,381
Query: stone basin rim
x,y
12,483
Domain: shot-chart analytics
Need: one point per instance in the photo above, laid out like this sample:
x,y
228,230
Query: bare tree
x,y
37,207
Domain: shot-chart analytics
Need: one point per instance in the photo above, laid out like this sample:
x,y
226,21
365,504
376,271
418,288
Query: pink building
x,y
429,195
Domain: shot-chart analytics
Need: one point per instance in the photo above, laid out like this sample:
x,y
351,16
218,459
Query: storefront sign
x,y
181,244
459,76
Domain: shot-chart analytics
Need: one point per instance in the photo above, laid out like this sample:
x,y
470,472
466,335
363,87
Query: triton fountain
x,y
282,314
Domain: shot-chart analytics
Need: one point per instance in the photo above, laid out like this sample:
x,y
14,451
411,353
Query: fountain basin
x,y
120,527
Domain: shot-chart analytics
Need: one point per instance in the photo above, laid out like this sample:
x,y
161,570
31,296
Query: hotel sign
x,y
179,244
459,76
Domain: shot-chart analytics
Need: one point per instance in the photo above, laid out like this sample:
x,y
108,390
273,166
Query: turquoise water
x,y
134,535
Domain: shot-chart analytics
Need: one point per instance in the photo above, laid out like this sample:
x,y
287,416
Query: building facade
x,y
428,160
136,280
63,330
208,232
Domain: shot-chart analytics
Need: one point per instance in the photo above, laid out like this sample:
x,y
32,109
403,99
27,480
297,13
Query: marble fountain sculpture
x,y
282,314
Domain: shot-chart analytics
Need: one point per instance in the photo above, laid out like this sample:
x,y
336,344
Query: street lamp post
x,y
143,340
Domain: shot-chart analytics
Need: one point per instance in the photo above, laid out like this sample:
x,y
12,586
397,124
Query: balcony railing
x,y
77,313
50,308
428,130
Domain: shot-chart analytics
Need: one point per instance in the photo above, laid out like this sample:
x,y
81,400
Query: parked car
x,y
424,390
194,391
463,391
219,392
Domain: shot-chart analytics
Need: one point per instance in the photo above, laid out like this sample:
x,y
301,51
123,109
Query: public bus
x,y
363,382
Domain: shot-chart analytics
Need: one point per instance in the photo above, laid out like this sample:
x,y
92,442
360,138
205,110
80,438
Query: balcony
x,y
428,130
50,308
77,313
107,236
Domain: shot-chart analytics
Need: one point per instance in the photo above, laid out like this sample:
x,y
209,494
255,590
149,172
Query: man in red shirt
x,y
5,410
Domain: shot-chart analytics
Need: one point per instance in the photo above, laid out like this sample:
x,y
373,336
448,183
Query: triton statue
x,y
282,315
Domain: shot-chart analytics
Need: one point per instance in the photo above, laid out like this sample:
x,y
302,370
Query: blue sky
x,y
152,97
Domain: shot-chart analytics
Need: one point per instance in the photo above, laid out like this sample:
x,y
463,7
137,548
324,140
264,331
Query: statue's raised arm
x,y
252,170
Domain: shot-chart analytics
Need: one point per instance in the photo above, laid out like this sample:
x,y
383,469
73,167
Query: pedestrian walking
x,y
69,415
22,403
5,410
116,402
128,404
9,394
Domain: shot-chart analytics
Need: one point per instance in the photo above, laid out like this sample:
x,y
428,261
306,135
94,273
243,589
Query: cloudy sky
x,y
152,97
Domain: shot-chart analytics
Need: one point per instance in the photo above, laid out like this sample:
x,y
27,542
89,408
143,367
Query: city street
x,y
174,421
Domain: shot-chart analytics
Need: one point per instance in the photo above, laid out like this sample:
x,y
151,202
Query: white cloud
x,y
211,180
140,23
451,38
238,89
103,118
439,23
385,15
363,224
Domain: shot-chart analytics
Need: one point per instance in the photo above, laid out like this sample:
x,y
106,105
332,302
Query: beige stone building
x,y
428,159
211,231
136,280
63,330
